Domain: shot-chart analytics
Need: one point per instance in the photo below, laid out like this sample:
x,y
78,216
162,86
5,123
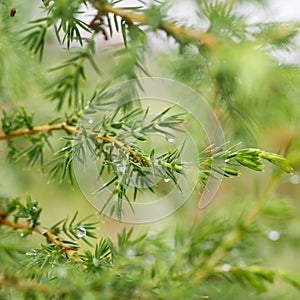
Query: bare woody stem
x,y
49,128
37,129
178,32
69,250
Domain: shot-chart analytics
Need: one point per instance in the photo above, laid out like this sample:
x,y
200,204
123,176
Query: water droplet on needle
x,y
226,267
121,168
80,232
31,252
96,262
273,235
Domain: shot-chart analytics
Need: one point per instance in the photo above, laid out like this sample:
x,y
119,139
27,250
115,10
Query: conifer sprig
x,y
130,169
22,217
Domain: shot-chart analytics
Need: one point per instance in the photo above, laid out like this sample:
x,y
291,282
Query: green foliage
x,y
19,120
132,265
231,62
67,85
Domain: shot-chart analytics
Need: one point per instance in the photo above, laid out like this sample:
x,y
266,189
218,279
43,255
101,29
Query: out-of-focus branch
x,y
26,285
237,233
183,33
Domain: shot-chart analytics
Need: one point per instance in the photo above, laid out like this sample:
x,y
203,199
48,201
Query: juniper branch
x,y
205,39
248,157
51,237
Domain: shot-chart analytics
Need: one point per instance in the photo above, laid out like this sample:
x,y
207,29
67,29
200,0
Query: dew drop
x,y
226,267
273,235
33,208
22,234
295,179
170,140
91,121
121,168
130,253
96,262
152,235
31,252
167,180
80,232
227,160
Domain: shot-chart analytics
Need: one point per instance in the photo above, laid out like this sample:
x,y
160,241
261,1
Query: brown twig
x,y
37,129
73,130
56,127
52,238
